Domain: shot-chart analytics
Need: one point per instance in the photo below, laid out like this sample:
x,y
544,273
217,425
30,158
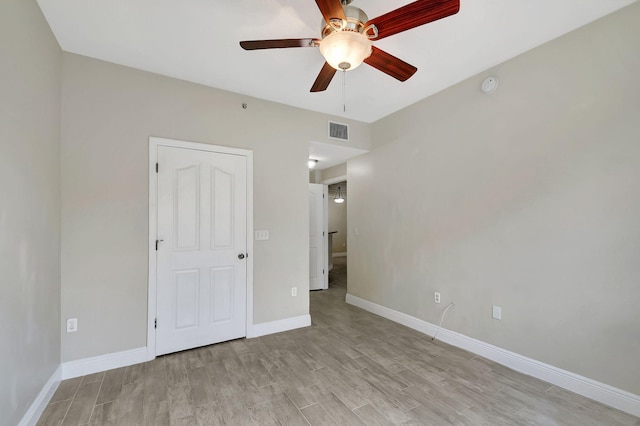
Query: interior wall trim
x,y
38,405
606,394
278,326
96,364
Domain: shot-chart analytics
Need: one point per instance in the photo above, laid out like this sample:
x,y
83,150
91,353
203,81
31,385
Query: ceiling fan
x,y
347,35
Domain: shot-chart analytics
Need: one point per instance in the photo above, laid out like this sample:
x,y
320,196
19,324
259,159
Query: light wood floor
x,y
349,368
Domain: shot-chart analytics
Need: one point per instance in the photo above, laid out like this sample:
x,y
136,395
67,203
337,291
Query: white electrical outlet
x,y
294,291
436,297
497,312
72,325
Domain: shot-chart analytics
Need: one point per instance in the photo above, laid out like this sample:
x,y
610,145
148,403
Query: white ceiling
x,y
197,41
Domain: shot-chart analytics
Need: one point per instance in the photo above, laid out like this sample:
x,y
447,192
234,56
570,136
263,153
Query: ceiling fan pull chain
x,y
344,90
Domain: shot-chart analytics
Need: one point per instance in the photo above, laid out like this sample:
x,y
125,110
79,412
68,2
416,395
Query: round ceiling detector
x,y
489,85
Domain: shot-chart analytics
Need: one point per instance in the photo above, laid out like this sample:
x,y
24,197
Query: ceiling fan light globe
x,y
345,50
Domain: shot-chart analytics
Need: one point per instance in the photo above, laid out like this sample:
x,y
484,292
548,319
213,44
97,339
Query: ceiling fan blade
x,y
324,78
413,15
389,64
279,43
331,9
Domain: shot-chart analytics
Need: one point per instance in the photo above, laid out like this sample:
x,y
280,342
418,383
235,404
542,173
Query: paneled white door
x,y
318,253
201,248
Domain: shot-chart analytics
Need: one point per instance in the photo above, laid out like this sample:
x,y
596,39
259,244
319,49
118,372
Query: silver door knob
x,y
241,256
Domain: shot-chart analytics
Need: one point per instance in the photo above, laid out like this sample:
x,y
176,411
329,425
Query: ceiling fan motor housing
x,y
356,18
348,34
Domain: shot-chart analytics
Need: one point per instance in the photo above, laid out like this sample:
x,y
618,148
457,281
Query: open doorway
x,y
328,166
337,241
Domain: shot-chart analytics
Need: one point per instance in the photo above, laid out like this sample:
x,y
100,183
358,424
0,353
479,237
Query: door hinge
x,y
323,272
157,241
322,195
156,167
155,323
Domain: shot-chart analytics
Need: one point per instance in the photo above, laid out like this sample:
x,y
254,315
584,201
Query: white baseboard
x,y
38,405
100,363
278,326
96,364
609,395
340,254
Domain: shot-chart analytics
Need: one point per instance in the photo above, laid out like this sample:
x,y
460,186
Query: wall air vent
x,y
338,131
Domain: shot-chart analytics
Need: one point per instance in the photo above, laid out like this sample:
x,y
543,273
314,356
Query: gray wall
x,y
30,63
337,212
109,112
527,199
333,172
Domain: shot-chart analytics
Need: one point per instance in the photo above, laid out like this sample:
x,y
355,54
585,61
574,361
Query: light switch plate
x,y
497,312
262,235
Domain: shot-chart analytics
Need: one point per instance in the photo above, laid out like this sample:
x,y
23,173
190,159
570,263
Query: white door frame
x,y
154,143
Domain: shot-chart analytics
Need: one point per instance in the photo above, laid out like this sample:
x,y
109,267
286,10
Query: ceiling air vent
x,y
338,131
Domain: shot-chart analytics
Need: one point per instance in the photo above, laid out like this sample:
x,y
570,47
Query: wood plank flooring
x,y
349,368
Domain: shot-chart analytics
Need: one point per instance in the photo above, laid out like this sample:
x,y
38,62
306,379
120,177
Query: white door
x,y
318,259
201,248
